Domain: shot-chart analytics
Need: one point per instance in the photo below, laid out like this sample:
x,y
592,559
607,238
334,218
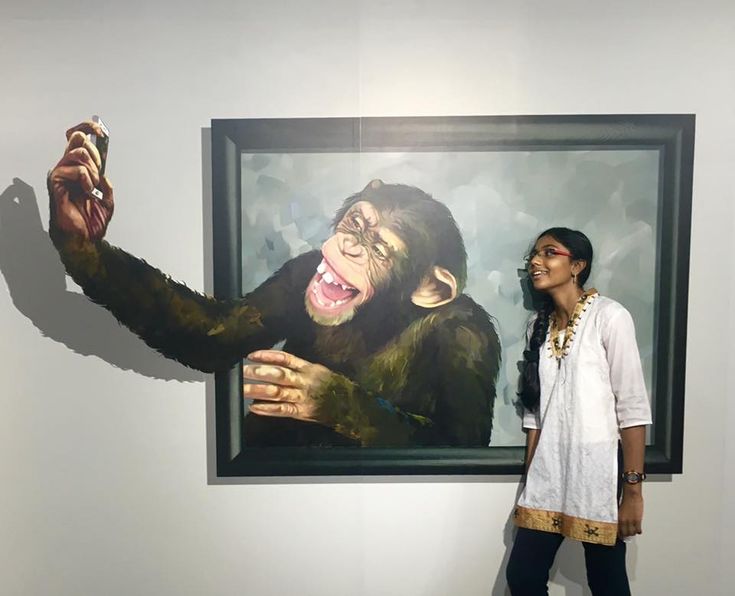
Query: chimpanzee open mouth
x,y
329,290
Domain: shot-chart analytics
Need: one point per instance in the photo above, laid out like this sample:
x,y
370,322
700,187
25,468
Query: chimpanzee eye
x,y
381,252
358,222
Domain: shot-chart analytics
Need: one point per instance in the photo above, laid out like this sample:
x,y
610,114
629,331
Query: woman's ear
x,y
439,287
578,266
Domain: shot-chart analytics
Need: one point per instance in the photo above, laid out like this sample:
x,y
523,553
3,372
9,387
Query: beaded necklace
x,y
560,349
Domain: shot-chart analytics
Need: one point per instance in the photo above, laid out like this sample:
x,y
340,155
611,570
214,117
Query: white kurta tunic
x,y
586,397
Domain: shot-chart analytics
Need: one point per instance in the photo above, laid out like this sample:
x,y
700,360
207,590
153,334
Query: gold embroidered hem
x,y
586,530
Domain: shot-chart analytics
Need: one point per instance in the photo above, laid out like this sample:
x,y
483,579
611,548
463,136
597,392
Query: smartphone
x,y
102,142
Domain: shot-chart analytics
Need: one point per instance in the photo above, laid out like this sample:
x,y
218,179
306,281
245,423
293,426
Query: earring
x,y
574,278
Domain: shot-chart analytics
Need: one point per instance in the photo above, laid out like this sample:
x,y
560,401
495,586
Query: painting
x,y
426,367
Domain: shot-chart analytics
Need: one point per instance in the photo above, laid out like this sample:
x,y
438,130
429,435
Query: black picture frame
x,y
671,134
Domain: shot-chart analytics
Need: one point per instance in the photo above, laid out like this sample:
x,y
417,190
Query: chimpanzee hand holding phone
x,y
81,195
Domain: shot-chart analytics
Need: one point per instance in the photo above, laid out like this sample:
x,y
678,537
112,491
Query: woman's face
x,y
550,265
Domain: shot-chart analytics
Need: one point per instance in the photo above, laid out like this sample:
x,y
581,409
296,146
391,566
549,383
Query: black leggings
x,y
533,554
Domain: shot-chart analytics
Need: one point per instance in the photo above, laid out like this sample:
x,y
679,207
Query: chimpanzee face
x,y
357,263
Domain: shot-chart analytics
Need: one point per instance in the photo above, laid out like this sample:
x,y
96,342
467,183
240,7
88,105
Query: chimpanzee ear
x,y
374,184
439,287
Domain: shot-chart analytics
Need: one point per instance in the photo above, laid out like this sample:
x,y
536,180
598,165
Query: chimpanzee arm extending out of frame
x,y
198,331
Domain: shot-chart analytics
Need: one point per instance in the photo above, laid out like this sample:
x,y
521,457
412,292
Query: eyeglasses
x,y
546,253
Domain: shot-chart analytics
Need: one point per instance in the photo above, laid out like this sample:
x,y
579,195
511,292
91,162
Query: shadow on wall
x,y
37,283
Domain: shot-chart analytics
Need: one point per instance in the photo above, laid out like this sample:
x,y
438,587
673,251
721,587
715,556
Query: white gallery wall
x,y
103,443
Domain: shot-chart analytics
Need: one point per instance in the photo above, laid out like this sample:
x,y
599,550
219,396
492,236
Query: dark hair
x,y
423,223
581,249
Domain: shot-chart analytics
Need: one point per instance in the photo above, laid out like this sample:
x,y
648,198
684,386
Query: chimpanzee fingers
x,y
80,139
80,156
272,393
278,375
93,151
87,127
76,140
96,219
281,410
73,173
108,198
279,357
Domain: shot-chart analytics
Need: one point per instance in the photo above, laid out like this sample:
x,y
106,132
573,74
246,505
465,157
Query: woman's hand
x,y
630,514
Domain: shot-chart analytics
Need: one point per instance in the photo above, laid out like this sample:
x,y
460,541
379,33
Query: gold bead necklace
x,y
560,349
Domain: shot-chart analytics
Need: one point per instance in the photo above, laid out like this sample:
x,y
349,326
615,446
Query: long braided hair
x,y
581,249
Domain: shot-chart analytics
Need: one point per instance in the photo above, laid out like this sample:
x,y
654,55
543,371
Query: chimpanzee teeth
x,y
328,277
321,268
332,304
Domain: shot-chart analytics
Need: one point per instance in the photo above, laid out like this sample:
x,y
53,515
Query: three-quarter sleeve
x,y
531,419
626,373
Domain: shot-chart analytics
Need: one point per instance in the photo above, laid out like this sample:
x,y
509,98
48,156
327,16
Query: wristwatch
x,y
633,477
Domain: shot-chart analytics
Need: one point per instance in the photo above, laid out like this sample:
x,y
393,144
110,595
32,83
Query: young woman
x,y
583,393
